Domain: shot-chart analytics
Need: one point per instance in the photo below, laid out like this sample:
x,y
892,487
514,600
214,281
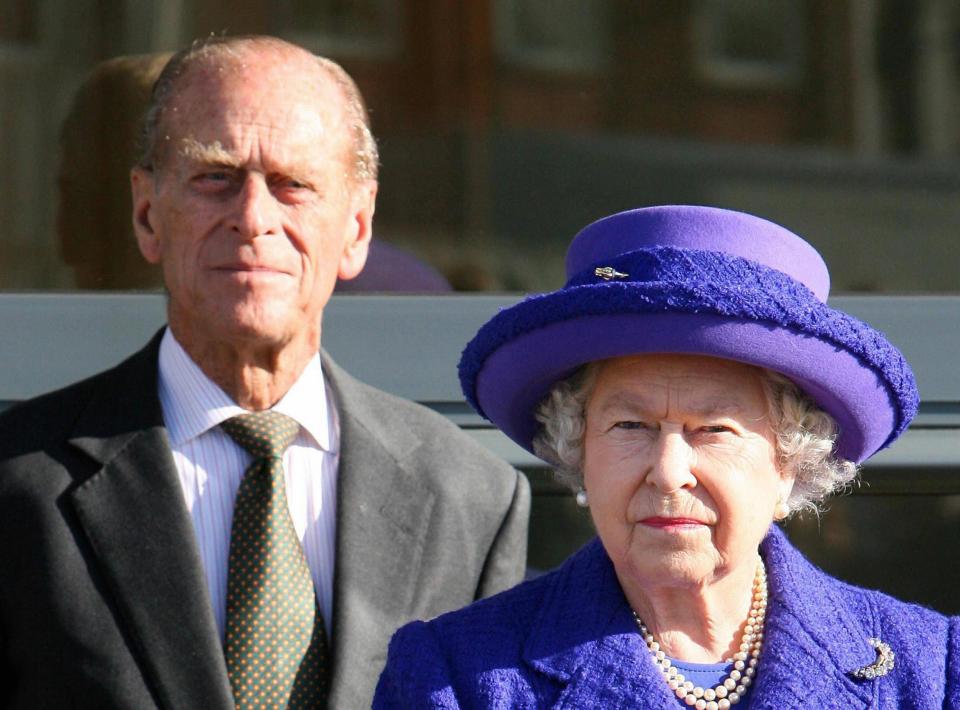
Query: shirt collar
x,y
193,404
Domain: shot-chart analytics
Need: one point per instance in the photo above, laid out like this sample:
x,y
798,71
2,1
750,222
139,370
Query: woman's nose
x,y
673,463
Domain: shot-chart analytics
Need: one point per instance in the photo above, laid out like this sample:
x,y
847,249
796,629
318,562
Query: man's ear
x,y
356,244
143,190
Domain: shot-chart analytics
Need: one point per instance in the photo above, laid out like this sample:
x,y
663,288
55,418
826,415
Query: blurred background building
x,y
505,125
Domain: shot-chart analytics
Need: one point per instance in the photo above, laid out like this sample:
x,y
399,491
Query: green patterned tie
x,y
275,645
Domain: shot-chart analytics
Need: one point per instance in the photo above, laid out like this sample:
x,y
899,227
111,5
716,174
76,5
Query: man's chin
x,y
251,323
263,328
239,328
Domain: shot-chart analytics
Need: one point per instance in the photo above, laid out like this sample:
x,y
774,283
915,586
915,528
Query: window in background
x,y
750,41
357,28
564,35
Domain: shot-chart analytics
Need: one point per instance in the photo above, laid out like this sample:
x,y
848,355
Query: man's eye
x,y
292,184
214,182
213,177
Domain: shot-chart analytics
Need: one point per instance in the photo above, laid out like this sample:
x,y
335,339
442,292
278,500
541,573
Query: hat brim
x,y
846,367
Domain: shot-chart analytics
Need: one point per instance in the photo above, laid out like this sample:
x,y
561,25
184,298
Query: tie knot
x,y
264,435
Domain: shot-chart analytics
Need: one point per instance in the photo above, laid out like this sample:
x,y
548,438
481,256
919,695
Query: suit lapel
x,y
133,515
383,513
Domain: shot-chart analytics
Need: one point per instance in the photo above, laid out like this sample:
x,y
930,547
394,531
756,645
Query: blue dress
x,y
568,640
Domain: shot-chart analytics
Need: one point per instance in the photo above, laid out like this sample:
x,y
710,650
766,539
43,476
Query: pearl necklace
x,y
732,688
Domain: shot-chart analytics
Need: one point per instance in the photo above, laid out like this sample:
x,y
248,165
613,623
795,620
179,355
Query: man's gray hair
x,y
804,434
366,160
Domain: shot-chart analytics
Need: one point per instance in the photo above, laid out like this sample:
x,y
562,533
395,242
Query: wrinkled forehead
x,y
284,93
702,385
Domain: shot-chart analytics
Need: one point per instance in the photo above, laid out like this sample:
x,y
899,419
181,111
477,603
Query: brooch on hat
x,y
608,272
880,667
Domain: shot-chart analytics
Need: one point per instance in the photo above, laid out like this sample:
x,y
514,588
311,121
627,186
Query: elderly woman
x,y
692,385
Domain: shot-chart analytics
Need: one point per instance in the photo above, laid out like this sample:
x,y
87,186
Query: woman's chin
x,y
678,568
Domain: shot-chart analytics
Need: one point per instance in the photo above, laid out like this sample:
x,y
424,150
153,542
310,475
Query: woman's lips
x,y
665,523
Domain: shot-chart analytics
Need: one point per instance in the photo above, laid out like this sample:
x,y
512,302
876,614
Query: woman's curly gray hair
x,y
804,433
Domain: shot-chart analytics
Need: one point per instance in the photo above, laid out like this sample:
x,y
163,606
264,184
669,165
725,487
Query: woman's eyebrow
x,y
716,407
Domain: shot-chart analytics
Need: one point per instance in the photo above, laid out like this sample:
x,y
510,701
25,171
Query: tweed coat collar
x,y
585,639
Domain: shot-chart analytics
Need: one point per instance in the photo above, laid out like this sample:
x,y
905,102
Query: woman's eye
x,y
715,429
630,425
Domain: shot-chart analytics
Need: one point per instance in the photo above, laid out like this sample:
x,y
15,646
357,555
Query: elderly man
x,y
227,517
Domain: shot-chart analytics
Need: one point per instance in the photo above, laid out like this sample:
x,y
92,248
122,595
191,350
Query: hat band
x,y
690,268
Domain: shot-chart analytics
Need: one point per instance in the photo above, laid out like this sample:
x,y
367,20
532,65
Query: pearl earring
x,y
782,510
582,498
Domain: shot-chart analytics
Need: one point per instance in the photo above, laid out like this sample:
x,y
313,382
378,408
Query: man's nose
x,y
673,463
257,211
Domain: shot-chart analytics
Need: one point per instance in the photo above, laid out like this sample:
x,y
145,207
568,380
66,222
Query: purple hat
x,y
694,280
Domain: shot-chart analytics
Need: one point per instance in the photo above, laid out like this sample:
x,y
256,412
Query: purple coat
x,y
568,640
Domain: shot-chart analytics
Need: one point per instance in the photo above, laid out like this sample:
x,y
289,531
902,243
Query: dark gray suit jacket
x,y
103,602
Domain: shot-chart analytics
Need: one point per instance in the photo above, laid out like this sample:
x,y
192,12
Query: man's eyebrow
x,y
207,153
215,154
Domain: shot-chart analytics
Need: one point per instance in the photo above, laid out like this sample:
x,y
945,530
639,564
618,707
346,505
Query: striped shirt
x,y
210,466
